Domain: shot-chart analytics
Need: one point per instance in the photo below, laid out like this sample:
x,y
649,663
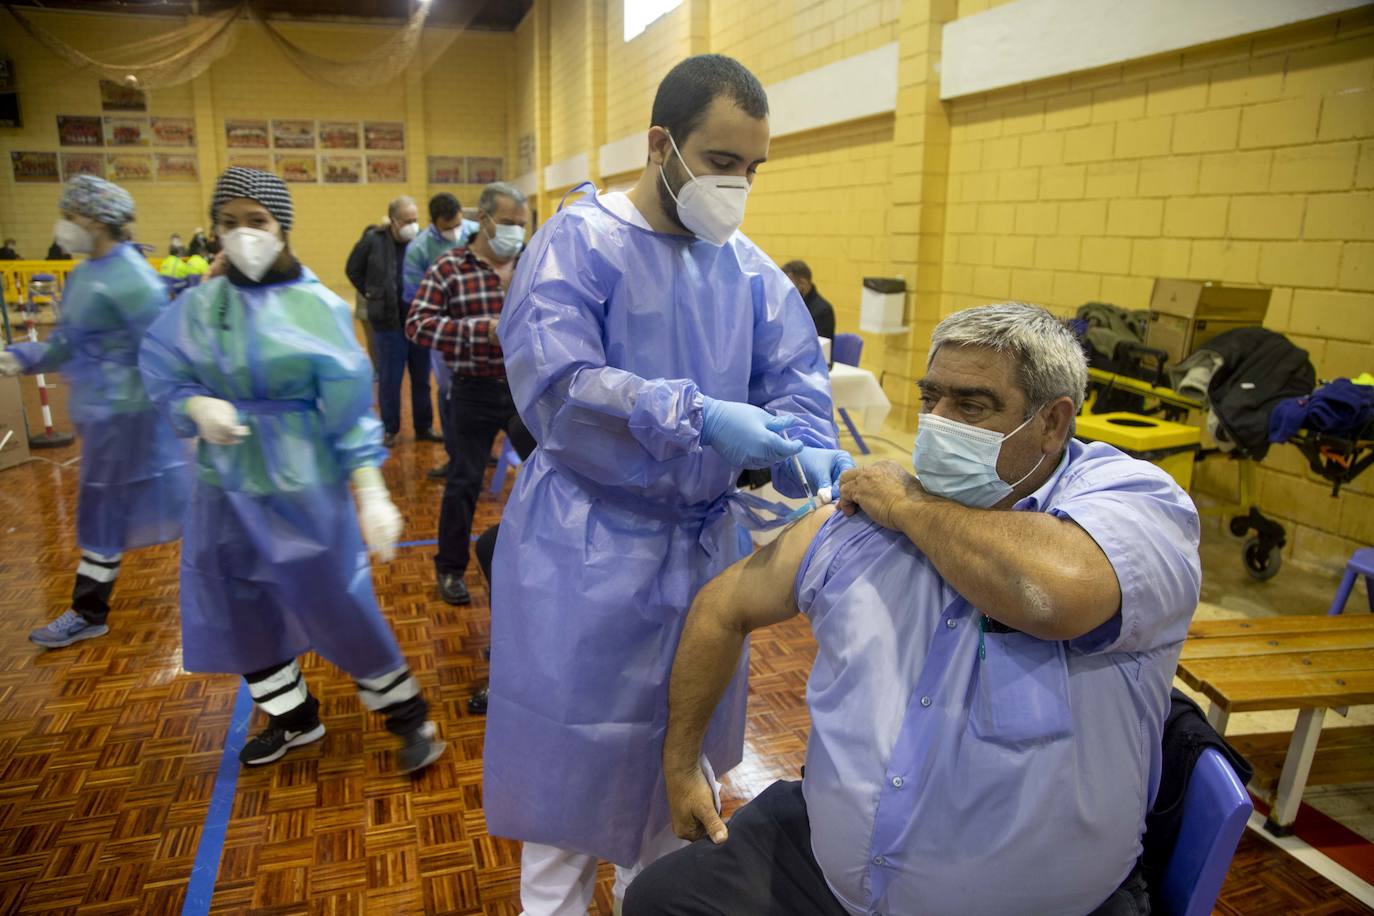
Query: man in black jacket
x,y
822,312
374,269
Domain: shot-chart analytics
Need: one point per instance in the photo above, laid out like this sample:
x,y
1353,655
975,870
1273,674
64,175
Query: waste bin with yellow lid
x,y
1172,446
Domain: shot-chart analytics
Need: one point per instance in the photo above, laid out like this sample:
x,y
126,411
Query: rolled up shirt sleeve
x,y
1148,528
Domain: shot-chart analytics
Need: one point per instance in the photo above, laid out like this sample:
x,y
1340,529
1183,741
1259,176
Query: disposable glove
x,y
745,435
822,466
378,516
217,421
10,365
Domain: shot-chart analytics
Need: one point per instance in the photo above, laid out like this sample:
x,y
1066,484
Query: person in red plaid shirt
x,y
455,311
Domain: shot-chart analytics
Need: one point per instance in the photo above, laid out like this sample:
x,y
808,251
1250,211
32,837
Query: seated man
x,y
996,646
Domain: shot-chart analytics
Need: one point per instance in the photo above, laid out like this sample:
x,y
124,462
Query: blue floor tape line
x,y
201,888
425,543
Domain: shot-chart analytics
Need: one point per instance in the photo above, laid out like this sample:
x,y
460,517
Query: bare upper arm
x,y
758,590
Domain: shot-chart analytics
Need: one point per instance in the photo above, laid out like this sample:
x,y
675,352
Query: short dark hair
x,y
443,206
690,88
797,269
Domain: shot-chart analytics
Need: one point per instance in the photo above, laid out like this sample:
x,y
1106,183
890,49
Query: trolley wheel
x,y
1240,525
1262,561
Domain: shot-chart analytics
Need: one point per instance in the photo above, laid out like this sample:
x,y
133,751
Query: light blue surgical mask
x,y
507,241
959,462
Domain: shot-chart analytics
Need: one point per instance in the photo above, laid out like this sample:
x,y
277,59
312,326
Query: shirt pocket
x,y
1023,691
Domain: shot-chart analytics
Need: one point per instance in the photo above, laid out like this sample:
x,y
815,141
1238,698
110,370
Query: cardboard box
x,y
13,435
1185,314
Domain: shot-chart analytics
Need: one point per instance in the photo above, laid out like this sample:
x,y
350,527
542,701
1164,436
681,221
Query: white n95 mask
x,y
252,251
408,231
959,462
72,238
711,206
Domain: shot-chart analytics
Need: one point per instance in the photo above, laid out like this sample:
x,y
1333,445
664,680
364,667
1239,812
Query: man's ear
x,y
1058,421
659,146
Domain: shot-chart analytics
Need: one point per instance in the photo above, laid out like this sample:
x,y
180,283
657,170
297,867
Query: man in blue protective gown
x,y
135,475
654,352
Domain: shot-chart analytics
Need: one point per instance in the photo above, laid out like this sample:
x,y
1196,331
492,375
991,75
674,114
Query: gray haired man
x,y
455,312
997,641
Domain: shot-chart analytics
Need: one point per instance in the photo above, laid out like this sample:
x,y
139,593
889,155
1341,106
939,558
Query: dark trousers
x,y
396,356
443,381
485,548
765,868
94,586
402,716
478,409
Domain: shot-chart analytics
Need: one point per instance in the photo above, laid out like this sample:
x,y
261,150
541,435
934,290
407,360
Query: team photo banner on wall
x,y
246,135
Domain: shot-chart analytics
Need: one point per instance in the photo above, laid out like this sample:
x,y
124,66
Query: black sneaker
x,y
477,703
439,473
428,435
389,440
419,749
453,589
274,741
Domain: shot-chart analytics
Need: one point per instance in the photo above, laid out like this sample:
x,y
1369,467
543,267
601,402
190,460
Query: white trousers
x,y
559,882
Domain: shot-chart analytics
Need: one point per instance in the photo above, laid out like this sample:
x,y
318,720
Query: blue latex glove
x,y
745,435
822,466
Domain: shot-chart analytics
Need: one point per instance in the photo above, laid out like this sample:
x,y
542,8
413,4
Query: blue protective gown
x,y
135,475
273,563
611,334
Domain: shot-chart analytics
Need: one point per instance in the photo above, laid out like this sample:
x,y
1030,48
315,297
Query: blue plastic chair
x,y
1215,809
1361,564
510,458
846,348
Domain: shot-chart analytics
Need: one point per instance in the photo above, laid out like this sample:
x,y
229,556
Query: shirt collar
x,y
1036,501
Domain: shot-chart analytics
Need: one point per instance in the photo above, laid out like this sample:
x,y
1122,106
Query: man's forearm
x,y
705,662
1030,570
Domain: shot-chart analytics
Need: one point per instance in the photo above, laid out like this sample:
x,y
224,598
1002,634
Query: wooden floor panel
x,y
108,751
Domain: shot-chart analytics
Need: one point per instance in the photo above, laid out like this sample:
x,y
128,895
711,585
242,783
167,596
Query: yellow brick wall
x,y
48,88
1249,162
466,96
570,111
823,197
524,120
780,40
456,107
634,68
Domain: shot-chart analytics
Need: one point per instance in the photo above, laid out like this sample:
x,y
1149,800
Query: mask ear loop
x,y
1042,454
663,175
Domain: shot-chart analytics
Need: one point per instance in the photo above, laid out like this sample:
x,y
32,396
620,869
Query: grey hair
x,y
487,202
396,205
1050,362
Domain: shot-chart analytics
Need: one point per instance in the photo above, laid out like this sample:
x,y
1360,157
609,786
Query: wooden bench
x,y
1307,663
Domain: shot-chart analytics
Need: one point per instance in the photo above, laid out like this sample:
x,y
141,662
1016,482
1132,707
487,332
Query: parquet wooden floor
x,y
108,752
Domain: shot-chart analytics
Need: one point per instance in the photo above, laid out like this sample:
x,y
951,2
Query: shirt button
x,y
949,622
898,782
925,701
878,860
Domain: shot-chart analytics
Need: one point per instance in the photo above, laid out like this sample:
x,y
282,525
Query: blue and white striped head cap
x,y
97,199
264,187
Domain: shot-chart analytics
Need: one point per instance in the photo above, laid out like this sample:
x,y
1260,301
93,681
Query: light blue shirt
x,y
938,781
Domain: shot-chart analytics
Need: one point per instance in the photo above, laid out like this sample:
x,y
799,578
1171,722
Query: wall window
x,y
639,13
